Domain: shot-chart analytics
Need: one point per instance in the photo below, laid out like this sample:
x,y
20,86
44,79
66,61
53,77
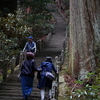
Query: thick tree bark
x,y
84,36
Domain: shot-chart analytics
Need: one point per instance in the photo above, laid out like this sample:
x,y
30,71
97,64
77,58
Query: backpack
x,y
49,75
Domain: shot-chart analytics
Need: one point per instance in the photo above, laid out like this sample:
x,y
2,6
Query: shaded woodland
x,y
82,75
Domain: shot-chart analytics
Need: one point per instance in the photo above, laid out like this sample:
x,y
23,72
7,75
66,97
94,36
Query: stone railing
x,y
55,85
22,57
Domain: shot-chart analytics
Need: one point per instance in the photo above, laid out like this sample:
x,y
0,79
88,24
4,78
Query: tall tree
x,y
84,40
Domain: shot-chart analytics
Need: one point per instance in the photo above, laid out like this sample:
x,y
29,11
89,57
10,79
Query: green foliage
x,y
38,17
89,91
12,31
16,27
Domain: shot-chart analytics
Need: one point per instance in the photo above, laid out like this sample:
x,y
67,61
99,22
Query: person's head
x,y
49,59
30,38
29,55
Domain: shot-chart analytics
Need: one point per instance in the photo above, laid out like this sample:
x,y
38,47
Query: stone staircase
x,y
11,90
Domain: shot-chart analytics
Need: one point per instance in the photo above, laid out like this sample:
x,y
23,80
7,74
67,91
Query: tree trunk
x,y
84,37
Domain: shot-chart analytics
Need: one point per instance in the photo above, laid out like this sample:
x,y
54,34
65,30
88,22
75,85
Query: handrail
x,y
22,57
55,84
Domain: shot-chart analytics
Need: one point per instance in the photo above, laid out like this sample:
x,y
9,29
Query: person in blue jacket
x,y
30,46
27,75
45,83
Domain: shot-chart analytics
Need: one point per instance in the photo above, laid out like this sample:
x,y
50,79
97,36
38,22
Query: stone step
x,y
14,88
15,84
19,94
17,91
16,80
18,98
10,88
10,84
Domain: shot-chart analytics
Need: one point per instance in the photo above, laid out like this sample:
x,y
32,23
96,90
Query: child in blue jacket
x,y
44,82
